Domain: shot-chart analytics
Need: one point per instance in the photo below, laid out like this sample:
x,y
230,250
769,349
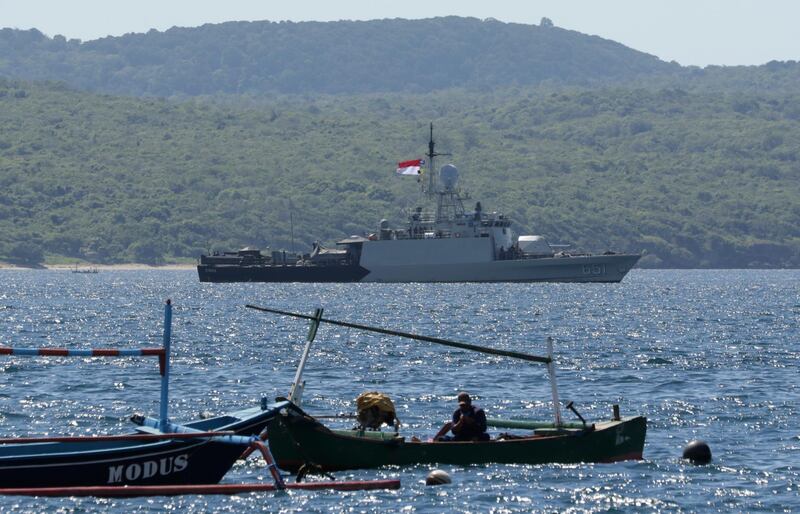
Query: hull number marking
x,y
594,269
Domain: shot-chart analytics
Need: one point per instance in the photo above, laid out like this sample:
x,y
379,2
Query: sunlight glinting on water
x,y
703,354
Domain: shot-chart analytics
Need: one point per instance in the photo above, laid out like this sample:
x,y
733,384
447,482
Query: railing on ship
x,y
439,234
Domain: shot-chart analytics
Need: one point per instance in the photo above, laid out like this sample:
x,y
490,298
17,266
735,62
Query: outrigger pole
x,y
161,353
435,340
175,490
317,318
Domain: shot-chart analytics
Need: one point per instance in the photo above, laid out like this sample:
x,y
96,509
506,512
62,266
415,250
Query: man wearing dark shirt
x,y
469,423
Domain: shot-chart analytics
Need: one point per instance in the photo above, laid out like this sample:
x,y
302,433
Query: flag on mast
x,y
410,167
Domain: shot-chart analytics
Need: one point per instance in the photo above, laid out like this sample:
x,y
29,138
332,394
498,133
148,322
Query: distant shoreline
x,y
100,267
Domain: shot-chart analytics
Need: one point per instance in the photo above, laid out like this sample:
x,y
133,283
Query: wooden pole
x,y
296,393
435,340
526,424
164,407
551,371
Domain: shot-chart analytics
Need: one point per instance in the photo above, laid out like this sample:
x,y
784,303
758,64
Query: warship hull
x,y
607,268
280,273
444,260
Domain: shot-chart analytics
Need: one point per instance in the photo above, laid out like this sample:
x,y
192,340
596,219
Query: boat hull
x,y
119,463
297,439
278,273
581,268
592,268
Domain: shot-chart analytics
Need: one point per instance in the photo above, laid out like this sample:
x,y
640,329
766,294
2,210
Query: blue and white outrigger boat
x,y
161,458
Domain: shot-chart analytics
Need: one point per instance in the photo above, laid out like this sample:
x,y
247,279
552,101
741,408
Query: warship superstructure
x,y
447,244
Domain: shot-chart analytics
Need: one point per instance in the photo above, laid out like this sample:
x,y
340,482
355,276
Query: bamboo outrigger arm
x,y
435,340
163,355
317,318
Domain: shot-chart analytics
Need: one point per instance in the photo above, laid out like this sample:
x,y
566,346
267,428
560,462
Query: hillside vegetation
x,y
354,57
334,57
696,179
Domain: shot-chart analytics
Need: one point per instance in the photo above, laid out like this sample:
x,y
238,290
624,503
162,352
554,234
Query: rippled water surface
x,y
703,354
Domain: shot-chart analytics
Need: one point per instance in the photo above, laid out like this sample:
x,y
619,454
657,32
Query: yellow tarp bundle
x,y
375,399
375,409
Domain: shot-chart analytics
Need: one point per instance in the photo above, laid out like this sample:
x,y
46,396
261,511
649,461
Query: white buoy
x,y
438,477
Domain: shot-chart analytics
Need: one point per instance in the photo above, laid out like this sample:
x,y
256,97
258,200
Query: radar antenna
x,y
432,174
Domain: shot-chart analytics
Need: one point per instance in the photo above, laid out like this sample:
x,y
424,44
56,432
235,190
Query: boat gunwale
x,y
158,447
608,425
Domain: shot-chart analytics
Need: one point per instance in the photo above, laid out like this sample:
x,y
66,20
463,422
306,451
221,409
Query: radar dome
x,y
449,176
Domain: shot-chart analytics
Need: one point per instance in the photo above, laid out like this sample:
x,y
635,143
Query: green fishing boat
x,y
298,440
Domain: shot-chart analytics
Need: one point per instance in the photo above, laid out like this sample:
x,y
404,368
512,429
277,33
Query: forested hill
x,y
697,180
325,57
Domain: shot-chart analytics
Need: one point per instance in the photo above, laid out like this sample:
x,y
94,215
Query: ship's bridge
x,y
427,225
449,219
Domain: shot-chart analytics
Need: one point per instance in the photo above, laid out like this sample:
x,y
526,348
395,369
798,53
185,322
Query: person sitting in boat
x,y
469,423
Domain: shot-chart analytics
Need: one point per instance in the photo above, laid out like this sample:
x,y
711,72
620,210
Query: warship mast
x,y
453,202
431,191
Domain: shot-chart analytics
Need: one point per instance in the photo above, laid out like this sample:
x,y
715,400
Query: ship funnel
x,y
449,176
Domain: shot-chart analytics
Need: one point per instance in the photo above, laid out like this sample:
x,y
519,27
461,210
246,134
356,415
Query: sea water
x,y
710,355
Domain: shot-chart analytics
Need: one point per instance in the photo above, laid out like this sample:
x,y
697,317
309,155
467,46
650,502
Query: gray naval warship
x,y
447,244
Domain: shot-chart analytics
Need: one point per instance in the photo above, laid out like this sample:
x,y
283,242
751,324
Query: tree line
x,y
697,179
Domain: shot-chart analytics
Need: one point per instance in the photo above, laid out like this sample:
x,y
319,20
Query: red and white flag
x,y
410,167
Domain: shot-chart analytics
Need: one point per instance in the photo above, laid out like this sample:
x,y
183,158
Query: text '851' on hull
x,y
446,244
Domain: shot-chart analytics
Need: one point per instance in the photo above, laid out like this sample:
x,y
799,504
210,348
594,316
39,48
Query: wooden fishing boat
x,y
160,453
297,439
163,458
201,457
